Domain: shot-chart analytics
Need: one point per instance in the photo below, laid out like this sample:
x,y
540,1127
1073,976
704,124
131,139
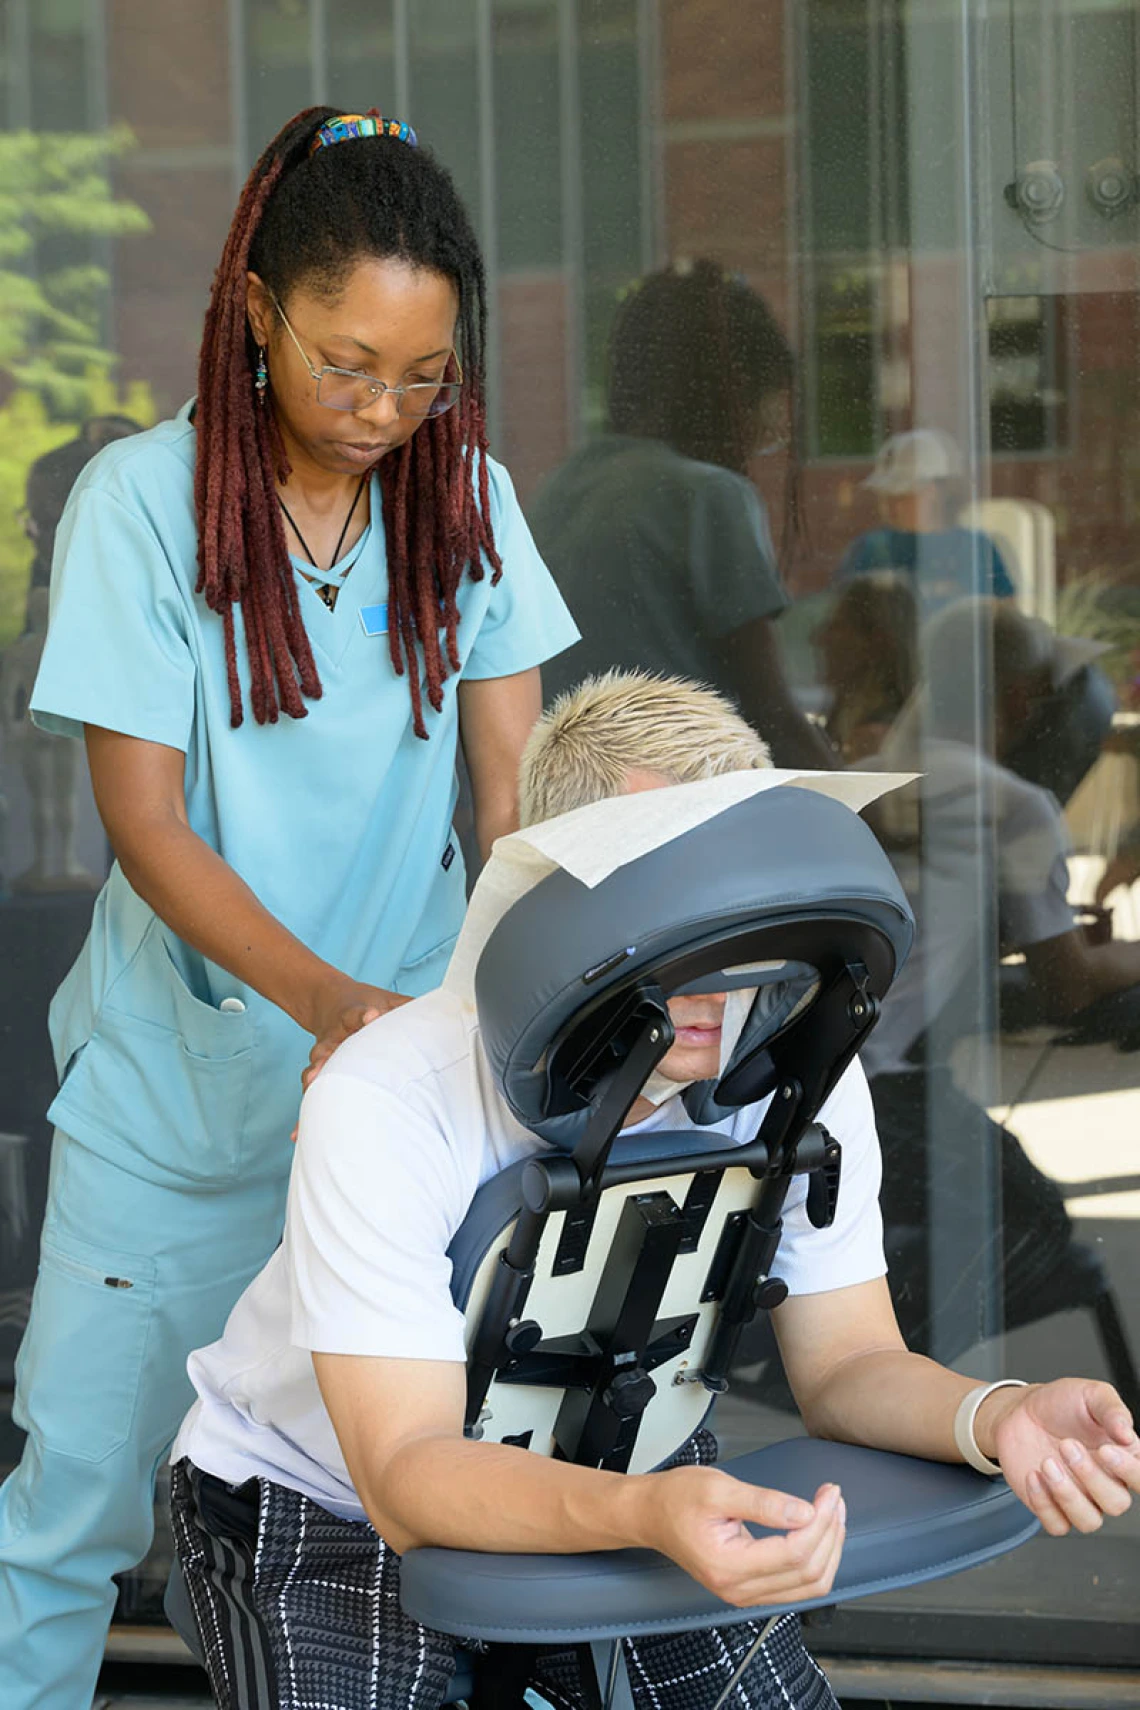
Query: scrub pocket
x,y
429,949
81,1359
164,1078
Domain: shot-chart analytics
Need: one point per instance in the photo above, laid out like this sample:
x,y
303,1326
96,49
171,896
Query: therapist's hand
x,y
340,1010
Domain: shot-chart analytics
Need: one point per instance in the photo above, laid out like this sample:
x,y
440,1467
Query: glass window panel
x,y
528,168
445,92
279,65
360,54
941,224
846,417
614,210
60,64
839,182
1029,374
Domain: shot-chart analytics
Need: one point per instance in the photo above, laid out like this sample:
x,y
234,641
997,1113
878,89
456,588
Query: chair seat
x,y
907,1521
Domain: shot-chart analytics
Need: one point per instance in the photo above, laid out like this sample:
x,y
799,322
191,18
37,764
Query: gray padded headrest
x,y
789,878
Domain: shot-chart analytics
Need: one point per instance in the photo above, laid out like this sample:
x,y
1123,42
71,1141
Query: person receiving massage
x,y
327,1437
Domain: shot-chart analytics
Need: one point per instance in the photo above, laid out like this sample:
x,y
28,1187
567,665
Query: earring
x,y
261,378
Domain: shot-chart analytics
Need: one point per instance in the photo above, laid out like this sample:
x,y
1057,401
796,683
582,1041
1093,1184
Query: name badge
x,y
374,620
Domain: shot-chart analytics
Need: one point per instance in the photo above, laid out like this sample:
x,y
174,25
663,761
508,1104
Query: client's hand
x,y
1068,1449
340,1012
698,1519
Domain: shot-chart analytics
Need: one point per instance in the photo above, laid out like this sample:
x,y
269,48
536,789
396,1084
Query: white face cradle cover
x,y
737,1004
594,841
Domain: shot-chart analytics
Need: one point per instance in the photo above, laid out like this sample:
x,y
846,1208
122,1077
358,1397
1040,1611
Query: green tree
x,y
58,212
56,201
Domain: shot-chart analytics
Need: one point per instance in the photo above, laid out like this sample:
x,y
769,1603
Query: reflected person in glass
x,y
1069,978
917,481
654,533
867,645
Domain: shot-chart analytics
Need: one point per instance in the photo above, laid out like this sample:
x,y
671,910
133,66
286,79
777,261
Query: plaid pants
x,y
300,1610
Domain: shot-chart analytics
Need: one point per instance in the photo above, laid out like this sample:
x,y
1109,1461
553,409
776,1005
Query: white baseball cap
x,y
910,460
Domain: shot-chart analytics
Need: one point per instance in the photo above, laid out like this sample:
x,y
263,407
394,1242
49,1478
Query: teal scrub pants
x,y
133,1275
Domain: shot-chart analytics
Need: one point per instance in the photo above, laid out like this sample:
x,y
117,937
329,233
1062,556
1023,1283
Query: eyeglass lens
x,y
350,392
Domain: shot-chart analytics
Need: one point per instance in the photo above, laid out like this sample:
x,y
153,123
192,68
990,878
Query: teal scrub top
x,y
340,822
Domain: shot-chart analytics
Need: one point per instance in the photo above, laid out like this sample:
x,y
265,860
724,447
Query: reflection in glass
x,y
658,540
918,485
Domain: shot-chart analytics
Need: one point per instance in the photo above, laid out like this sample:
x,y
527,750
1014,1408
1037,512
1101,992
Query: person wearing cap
x,y
327,1437
274,618
917,480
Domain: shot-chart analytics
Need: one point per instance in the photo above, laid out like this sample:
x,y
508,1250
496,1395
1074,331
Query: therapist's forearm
x,y
494,820
496,716
484,1496
208,906
890,1399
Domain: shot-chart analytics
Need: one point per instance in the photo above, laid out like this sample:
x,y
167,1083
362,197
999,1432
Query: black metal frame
x,y
622,1340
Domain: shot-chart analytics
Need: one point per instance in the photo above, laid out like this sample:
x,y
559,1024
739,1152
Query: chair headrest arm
x,y
817,1051
649,1015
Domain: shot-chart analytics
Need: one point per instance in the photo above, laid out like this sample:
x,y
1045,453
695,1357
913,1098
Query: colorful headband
x,y
372,124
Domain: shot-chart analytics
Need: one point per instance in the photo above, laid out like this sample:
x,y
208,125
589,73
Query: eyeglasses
x,y
349,389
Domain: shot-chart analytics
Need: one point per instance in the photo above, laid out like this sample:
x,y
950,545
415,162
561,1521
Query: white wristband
x,y
966,1442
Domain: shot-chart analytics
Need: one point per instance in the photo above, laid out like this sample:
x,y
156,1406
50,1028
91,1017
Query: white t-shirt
x,y
396,1135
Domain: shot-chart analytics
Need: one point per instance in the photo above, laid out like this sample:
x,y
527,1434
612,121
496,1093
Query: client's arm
x,y
1068,1448
399,1424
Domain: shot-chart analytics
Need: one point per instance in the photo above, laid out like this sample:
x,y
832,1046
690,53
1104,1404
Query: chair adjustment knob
x,y
523,1336
629,1393
769,1293
550,1184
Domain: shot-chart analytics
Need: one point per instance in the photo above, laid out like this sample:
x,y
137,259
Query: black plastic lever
x,y
823,1183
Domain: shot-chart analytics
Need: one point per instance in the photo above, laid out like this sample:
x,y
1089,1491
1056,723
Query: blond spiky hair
x,y
584,747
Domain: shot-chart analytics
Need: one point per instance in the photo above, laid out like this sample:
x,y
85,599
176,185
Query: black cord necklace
x,y
326,590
